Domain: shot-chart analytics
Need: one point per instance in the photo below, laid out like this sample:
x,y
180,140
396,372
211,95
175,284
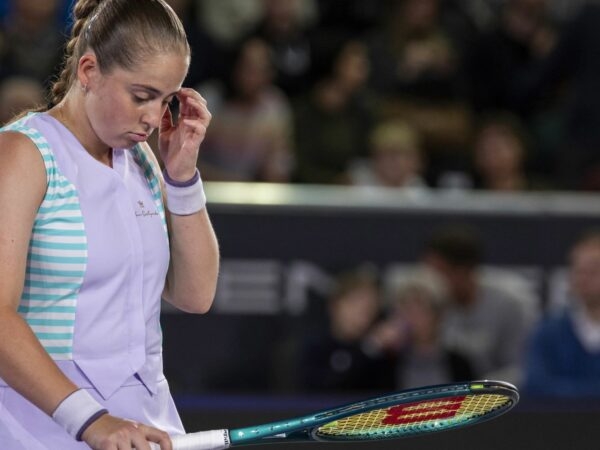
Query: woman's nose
x,y
152,116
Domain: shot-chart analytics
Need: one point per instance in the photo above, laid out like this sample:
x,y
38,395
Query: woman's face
x,y
585,272
355,312
253,71
498,151
419,314
124,107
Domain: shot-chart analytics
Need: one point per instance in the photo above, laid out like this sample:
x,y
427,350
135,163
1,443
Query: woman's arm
x,y
24,364
192,277
193,272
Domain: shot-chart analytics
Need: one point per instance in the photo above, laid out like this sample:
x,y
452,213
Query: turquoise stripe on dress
x,y
47,309
54,336
59,232
152,175
49,297
59,259
67,246
54,273
59,351
49,284
56,323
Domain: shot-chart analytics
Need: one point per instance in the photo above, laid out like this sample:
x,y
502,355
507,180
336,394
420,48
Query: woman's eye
x,y
140,99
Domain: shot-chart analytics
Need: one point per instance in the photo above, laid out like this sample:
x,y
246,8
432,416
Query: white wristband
x,y
185,198
77,412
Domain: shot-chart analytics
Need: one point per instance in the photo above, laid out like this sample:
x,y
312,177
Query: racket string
x,y
414,418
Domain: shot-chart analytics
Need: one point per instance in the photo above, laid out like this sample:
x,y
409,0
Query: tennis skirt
x,y
25,427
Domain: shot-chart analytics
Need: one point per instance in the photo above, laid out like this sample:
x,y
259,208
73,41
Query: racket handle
x,y
203,440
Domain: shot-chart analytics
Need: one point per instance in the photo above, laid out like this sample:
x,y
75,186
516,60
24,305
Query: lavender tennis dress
x,y
96,267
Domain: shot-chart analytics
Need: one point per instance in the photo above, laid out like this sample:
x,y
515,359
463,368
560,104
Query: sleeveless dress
x,y
96,268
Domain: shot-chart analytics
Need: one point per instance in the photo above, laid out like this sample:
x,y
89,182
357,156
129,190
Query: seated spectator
x,y
350,19
338,358
567,79
395,158
333,121
31,39
485,321
19,94
413,55
563,358
207,53
520,35
250,136
412,333
286,26
500,148
227,21
415,69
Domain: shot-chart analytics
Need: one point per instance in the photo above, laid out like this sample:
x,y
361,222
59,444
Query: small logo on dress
x,y
143,212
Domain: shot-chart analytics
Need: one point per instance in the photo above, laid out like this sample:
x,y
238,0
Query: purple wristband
x,y
187,183
88,422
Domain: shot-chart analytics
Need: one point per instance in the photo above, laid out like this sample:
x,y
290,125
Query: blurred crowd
x,y
449,318
419,94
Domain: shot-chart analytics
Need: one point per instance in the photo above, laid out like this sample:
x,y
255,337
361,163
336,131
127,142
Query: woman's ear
x,y
87,71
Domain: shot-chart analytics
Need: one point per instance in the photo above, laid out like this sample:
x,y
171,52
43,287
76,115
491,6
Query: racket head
x,y
418,411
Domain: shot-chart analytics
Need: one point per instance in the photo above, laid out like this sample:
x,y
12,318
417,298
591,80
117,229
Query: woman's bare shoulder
x,y
14,143
20,160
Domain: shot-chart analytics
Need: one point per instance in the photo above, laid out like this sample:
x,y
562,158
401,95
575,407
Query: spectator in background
x,y
350,19
333,121
31,40
522,34
338,357
569,75
413,55
496,64
485,321
18,94
563,359
7,5
415,68
412,333
286,26
500,150
251,129
227,21
395,158
207,54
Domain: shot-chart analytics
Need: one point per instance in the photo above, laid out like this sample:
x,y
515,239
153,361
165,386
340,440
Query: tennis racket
x,y
406,413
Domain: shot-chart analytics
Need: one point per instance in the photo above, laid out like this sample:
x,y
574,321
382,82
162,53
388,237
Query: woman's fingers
x,y
157,436
193,105
113,433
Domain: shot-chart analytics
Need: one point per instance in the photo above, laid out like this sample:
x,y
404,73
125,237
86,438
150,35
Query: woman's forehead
x,y
164,72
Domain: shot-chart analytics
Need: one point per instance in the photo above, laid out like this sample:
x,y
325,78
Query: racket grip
x,y
202,440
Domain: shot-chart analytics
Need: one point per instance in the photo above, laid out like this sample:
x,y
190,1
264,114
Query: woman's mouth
x,y
139,137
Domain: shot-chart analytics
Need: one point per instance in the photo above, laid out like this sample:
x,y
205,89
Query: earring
x,y
84,88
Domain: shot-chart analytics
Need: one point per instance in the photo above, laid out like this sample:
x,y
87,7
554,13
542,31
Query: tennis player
x,y
87,243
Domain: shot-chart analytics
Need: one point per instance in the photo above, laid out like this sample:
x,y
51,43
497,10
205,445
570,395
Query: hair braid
x,y
82,11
